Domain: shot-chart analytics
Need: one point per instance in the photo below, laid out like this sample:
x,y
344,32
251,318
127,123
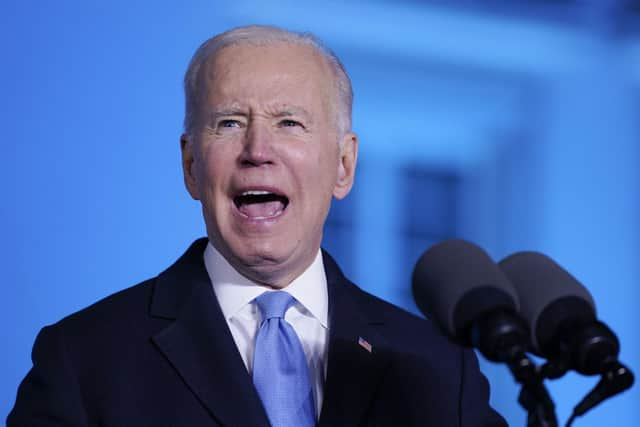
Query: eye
x,y
228,123
288,123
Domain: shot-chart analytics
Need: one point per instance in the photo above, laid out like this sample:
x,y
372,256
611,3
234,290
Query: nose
x,y
258,146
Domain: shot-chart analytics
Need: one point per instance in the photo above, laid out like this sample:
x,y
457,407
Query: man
x,y
267,145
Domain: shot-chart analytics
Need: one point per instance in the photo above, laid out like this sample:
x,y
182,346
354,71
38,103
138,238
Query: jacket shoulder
x,y
125,304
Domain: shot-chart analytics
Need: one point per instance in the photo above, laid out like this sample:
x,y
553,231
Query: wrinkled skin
x,y
266,123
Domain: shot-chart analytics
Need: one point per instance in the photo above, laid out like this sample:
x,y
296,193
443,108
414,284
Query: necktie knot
x,y
274,304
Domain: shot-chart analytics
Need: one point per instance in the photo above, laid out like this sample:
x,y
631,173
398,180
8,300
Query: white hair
x,y
266,35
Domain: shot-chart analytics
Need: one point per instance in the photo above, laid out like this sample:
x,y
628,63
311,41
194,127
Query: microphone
x,y
458,286
560,313
561,316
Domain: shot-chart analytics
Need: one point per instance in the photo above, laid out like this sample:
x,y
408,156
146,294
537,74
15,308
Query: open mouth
x,y
260,204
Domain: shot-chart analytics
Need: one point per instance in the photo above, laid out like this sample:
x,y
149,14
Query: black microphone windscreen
x,y
455,283
550,298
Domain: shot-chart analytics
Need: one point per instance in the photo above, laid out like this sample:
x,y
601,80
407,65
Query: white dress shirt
x,y
308,317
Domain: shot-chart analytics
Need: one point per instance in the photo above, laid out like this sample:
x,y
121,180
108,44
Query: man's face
x,y
265,158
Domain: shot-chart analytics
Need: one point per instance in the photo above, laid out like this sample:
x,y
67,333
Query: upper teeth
x,y
255,193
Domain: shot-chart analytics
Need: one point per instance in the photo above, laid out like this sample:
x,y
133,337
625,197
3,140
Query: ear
x,y
347,165
186,146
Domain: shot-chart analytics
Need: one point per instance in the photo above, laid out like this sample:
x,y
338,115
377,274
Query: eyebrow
x,y
279,111
290,110
226,112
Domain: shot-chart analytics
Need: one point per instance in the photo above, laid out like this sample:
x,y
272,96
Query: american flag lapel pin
x,y
365,344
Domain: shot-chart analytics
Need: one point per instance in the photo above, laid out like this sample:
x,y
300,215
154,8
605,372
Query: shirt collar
x,y
234,291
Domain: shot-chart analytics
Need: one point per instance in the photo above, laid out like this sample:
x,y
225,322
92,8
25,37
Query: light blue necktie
x,y
280,371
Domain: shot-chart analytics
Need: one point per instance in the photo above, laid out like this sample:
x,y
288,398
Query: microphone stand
x,y
533,397
500,336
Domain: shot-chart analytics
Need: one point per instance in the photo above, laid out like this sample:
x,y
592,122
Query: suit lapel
x,y
199,344
353,372
200,347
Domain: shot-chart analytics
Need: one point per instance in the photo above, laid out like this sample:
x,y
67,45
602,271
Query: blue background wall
x,y
515,127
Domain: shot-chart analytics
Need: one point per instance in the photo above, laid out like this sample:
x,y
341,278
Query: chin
x,y
274,269
271,260
261,259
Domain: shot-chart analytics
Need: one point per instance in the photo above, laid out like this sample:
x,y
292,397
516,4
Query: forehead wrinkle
x,y
219,68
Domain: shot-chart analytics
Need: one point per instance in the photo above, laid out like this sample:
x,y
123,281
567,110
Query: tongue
x,y
261,210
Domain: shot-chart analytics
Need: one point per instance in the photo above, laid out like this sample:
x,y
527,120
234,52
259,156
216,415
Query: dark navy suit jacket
x,y
161,354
